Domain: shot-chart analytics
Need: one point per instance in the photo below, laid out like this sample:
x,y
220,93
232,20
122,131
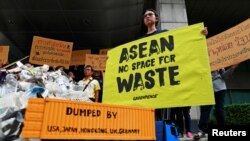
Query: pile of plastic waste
x,y
25,81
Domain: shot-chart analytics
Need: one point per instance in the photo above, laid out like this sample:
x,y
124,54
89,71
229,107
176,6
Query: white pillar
x,y
172,13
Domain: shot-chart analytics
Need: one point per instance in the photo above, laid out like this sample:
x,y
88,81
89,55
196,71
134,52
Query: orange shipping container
x,y
63,119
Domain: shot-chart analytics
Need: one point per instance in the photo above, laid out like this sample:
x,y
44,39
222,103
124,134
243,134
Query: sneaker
x,y
189,134
199,135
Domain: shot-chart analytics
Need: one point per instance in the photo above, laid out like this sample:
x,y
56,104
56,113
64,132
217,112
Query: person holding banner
x,y
90,83
220,90
151,19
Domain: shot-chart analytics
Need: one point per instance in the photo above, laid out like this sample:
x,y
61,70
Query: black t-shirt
x,y
155,32
159,113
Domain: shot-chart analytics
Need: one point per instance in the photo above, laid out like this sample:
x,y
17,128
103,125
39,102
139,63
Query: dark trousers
x,y
161,114
219,112
177,114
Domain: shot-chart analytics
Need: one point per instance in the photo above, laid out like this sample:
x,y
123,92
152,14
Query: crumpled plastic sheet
x,y
75,95
34,91
11,125
26,75
15,100
25,86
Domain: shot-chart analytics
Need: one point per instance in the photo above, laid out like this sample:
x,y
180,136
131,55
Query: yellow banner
x,y
51,52
4,55
170,69
230,47
78,56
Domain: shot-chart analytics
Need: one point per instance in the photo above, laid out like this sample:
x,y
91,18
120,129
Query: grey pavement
x,y
191,139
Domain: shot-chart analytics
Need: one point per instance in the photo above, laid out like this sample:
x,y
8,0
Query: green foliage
x,y
235,115
238,114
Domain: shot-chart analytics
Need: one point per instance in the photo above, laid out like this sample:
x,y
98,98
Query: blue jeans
x,y
219,112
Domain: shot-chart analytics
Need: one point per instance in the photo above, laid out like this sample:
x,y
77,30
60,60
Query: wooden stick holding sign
x,y
16,62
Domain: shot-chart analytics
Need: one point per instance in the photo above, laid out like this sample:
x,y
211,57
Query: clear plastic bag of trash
x,y
75,95
11,79
63,82
25,86
9,86
53,87
14,100
75,87
26,75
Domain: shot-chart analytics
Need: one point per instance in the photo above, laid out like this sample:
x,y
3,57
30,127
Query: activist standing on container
x,y
90,83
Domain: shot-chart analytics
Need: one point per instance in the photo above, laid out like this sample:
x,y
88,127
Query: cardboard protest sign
x,y
51,52
4,55
170,69
230,47
78,56
97,61
104,51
